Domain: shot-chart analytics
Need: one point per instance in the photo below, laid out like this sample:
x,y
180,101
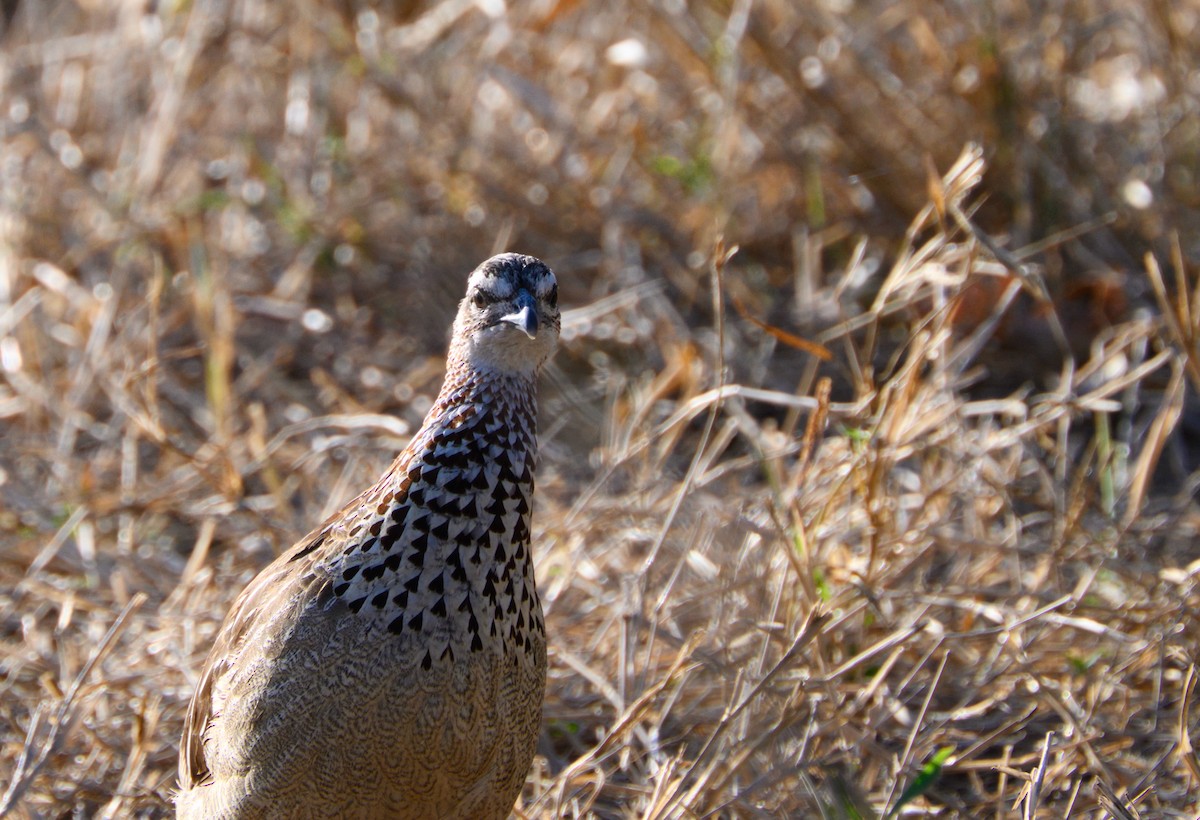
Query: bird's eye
x,y
552,296
480,300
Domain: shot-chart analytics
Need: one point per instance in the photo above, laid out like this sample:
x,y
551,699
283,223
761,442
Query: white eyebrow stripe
x,y
498,286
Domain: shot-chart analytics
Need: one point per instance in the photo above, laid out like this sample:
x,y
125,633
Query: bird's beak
x,y
526,317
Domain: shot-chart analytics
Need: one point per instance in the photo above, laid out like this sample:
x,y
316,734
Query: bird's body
x,y
392,663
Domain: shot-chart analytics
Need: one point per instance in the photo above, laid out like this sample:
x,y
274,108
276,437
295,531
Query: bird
x,y
392,663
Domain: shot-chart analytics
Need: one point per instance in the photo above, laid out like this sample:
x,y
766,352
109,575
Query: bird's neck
x,y
461,553
441,543
496,406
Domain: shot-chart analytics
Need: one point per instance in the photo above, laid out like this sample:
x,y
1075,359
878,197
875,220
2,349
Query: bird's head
x,y
508,322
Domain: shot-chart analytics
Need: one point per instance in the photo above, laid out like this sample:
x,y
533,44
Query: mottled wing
x,y
281,584
263,594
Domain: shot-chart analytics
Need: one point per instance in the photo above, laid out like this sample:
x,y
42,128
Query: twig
x,y
26,772
1033,792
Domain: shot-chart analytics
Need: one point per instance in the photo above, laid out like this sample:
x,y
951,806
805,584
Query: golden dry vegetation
x,y
887,513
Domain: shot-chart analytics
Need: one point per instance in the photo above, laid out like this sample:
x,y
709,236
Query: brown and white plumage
x,y
392,663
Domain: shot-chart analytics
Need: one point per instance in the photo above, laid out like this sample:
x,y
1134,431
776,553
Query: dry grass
x,y
889,510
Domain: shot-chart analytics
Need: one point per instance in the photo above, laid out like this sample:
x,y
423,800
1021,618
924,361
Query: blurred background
x,y
360,158
233,234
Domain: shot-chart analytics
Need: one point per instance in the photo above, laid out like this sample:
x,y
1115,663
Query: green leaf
x,y
822,585
930,772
